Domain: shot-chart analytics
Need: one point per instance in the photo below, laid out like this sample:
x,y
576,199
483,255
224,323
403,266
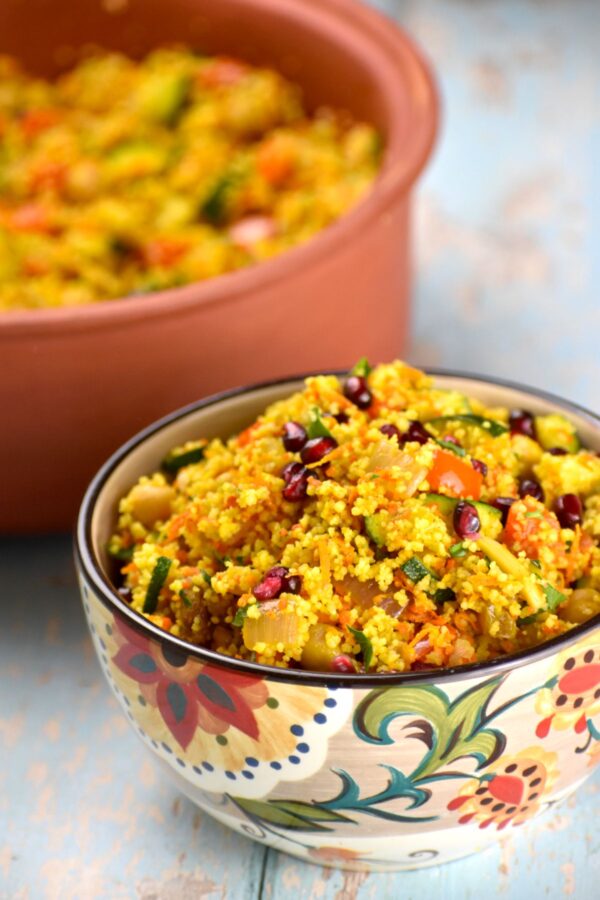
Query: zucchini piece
x,y
490,425
375,530
489,516
134,159
157,579
214,207
162,96
173,462
555,430
415,570
444,595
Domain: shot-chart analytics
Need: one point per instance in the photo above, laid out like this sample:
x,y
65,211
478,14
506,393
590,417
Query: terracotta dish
x,y
364,771
75,382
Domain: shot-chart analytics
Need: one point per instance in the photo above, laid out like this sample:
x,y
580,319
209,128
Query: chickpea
x,y
151,503
581,605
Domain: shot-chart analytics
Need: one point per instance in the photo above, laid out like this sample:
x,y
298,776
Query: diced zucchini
x,y
375,530
214,205
175,461
134,159
415,570
490,425
489,516
161,96
157,579
555,430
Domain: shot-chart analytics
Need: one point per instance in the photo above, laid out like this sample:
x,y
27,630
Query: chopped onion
x,y
272,628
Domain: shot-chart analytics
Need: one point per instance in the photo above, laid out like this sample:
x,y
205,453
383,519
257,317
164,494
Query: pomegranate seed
x,y
317,448
530,487
479,466
295,476
521,422
390,431
466,520
416,432
557,451
357,391
269,588
293,584
503,504
568,510
294,436
277,572
343,664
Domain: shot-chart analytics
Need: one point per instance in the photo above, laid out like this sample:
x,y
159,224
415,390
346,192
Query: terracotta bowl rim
x,y
89,565
384,40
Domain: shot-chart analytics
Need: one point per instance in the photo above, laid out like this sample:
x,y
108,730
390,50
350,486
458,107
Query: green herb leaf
x,y
185,598
316,426
415,570
125,554
458,550
444,595
173,462
157,579
214,207
240,615
362,368
453,448
365,645
527,620
553,597
206,576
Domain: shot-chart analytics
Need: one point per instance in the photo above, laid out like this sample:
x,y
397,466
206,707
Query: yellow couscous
x,y
124,177
372,523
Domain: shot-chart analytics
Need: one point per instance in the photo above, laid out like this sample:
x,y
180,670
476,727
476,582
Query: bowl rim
x,y
394,48
90,567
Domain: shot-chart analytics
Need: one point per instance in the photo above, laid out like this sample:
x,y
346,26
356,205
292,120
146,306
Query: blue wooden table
x,y
508,263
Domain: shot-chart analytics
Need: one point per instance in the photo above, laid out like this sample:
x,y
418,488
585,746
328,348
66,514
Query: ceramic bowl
x,y
79,381
363,772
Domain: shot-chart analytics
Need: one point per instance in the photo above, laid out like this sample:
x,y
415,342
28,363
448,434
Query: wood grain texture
x,y
508,263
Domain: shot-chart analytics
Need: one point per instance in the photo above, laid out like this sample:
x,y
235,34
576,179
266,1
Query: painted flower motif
x,y
572,698
187,693
510,793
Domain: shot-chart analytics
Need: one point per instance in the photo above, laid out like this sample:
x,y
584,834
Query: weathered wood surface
x,y
508,263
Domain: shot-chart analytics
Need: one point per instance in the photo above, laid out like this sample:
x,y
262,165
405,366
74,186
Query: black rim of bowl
x,y
112,600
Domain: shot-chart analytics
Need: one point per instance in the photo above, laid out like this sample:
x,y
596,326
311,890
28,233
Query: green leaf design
x,y
399,786
456,729
291,814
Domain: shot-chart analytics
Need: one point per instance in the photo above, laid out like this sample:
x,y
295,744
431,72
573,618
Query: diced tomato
x,y
48,175
251,230
275,162
222,72
32,217
454,475
529,526
34,121
164,252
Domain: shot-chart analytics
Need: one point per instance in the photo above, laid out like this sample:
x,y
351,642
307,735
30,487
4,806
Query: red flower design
x,y
575,696
188,693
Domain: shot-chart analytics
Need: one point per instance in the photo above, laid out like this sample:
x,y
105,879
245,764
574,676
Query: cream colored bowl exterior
x,y
388,775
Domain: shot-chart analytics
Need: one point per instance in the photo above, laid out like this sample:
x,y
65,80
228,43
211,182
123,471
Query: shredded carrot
x,y
247,435
324,560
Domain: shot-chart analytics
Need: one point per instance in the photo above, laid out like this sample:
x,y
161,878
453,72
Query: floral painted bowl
x,y
376,772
